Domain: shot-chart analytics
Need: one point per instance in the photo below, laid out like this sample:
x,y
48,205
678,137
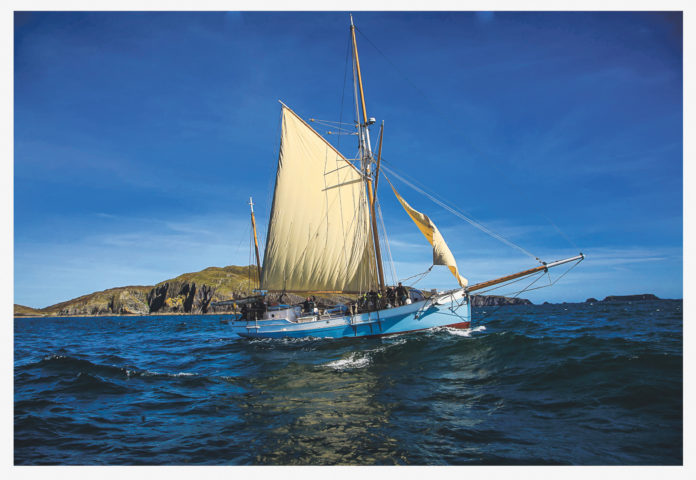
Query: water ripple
x,y
534,385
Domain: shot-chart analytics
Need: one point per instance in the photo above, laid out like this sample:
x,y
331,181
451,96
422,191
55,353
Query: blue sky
x,y
140,136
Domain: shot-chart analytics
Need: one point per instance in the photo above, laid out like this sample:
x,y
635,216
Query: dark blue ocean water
x,y
550,384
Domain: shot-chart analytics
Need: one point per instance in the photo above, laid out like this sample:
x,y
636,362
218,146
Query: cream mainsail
x,y
319,232
441,252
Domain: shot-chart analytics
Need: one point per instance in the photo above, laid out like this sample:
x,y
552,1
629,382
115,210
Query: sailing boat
x,y
323,239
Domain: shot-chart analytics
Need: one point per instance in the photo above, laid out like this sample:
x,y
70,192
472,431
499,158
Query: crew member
x,y
391,296
372,297
401,294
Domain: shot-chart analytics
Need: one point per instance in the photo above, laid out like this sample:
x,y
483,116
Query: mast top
x,y
351,20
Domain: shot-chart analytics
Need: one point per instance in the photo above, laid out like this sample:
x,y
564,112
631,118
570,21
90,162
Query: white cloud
x,y
126,251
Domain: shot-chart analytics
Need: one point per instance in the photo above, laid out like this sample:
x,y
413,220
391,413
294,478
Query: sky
x,y
139,137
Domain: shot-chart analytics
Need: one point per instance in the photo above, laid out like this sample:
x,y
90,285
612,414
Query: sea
x,y
561,384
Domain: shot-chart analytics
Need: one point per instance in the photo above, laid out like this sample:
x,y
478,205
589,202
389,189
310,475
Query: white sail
x,y
441,252
319,231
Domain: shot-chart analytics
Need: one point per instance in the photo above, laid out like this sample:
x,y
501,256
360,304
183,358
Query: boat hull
x,y
451,310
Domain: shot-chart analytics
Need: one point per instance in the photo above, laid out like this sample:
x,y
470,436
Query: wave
x,y
523,387
86,383
464,332
67,366
364,358
353,361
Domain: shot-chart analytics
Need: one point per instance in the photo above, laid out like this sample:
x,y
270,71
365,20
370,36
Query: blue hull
x,y
449,310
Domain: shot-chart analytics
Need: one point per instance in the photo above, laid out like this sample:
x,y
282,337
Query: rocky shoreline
x,y
198,293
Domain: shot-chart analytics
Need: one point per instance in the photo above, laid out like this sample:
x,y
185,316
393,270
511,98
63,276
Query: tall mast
x,y
373,199
366,152
357,64
256,241
379,158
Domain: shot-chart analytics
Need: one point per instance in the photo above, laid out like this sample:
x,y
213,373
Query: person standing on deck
x,y
401,294
391,296
372,297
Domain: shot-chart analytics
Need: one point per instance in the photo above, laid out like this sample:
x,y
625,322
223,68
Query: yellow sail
x,y
441,252
319,231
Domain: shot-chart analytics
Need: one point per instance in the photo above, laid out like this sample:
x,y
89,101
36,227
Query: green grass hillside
x,y
22,311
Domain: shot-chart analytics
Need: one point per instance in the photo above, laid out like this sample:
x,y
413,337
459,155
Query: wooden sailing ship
x,y
323,239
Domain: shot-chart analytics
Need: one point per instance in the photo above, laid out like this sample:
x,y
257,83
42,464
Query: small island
x,y
625,298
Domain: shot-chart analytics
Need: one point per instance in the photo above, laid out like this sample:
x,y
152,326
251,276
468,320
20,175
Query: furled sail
x,y
319,231
441,252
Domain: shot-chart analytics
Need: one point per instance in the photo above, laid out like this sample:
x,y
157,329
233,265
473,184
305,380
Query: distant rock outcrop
x,y
591,300
495,300
630,298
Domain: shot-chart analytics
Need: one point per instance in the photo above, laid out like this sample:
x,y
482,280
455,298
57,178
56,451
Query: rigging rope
x,y
422,275
471,145
335,122
423,94
386,240
270,193
337,130
488,314
528,287
458,213
536,276
251,246
343,92
514,296
557,279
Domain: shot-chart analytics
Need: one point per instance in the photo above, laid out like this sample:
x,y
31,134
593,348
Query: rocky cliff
x,y
121,300
180,297
195,292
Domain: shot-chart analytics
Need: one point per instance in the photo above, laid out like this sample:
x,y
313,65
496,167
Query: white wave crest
x,y
54,357
150,373
390,342
286,340
464,332
352,361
